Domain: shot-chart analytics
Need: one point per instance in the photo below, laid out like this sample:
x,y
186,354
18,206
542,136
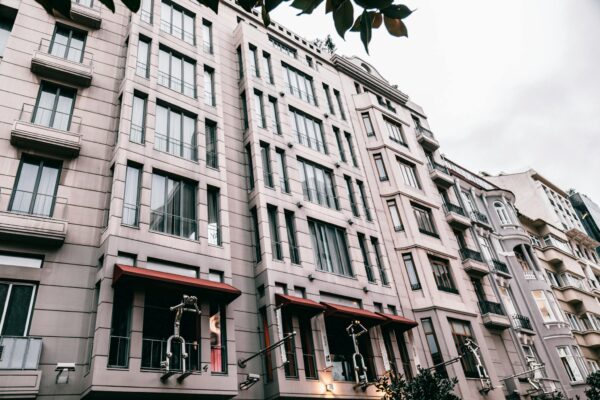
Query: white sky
x,y
507,85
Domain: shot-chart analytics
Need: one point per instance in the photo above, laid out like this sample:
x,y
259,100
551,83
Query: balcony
x,y
440,175
493,315
32,131
19,374
480,218
592,339
38,228
426,139
521,322
86,13
501,267
579,296
456,216
530,275
50,61
473,262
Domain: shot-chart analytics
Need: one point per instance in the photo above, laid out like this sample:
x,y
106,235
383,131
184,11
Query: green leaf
x,y
212,4
62,6
247,5
270,5
111,5
343,16
356,24
133,5
307,6
370,4
265,16
396,11
395,27
365,30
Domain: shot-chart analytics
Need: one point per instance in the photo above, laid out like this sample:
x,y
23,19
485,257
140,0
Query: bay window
x,y
175,132
173,206
330,248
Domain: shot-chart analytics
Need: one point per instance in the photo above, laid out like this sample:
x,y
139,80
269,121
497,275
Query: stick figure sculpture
x,y
189,304
486,382
355,329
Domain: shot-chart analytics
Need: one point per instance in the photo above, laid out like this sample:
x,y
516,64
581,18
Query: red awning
x,y
299,304
365,317
399,322
127,274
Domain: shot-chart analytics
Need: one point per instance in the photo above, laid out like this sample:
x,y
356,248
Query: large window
x,y
461,332
362,243
308,130
259,109
142,67
284,48
502,213
381,171
570,363
299,84
176,72
545,306
173,207
434,347
282,171
131,200
68,43
363,198
341,350
120,328
424,220
137,130
340,145
350,145
330,248
443,275
212,150
207,36
213,200
379,261
265,155
308,348
274,114
351,196
317,184
411,270
177,21
290,225
409,174
209,86
395,131
16,308
395,215
146,11
35,189
175,132
276,249
54,106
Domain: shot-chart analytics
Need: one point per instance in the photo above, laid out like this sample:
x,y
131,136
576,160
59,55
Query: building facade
x,y
194,205
589,214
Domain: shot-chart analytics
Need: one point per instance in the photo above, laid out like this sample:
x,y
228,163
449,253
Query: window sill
x,y
137,227
174,236
336,274
213,168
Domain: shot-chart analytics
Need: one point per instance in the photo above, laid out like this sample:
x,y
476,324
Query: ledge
x,y
18,384
475,267
427,142
496,321
44,139
29,228
441,178
87,16
458,221
61,69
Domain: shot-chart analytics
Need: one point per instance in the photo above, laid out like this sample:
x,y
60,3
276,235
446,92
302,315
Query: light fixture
x,y
63,372
251,379
329,387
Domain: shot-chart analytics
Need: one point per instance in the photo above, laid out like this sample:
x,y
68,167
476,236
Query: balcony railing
x,y
175,225
20,352
468,254
154,352
35,204
67,53
500,266
50,118
424,132
448,289
479,217
521,322
438,167
175,146
449,207
530,275
489,307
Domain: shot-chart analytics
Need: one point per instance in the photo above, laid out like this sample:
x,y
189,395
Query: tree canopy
x,y
374,14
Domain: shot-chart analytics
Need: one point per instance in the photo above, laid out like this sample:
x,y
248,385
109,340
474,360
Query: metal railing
x,y
311,142
424,131
177,32
130,214
174,225
142,69
154,352
176,84
489,307
35,204
136,133
449,207
212,159
530,275
175,146
468,254
521,322
318,196
67,53
500,266
20,352
480,217
438,167
50,118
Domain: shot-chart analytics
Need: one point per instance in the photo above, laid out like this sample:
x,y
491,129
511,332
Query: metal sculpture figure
x,y
189,304
355,329
486,382
534,367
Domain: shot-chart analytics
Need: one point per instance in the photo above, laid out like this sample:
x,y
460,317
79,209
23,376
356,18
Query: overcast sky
x,y
507,85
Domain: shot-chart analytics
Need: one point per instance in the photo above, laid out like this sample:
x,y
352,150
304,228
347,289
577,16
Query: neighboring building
x,y
589,215
178,152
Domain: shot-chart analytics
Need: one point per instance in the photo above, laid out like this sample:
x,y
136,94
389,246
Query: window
x,y
547,312
175,132
7,19
276,250
131,200
177,21
240,59
424,220
54,107
266,164
409,174
379,261
176,72
209,86
443,275
282,171
254,61
244,110
255,235
308,130
250,167
502,213
207,36
330,248
317,184
299,84
290,223
16,308
212,151
259,109
35,187
593,366
340,106
20,260
120,328
308,348
146,11
284,48
213,204
411,270
274,111
351,197
137,130
340,145
395,215
570,363
395,131
461,332
287,327
267,67
381,171
68,43
173,207
142,67
362,243
366,118
351,148
363,198
573,321
328,98
486,248
434,347
217,323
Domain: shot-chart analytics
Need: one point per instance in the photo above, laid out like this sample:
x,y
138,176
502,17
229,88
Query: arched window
x,y
502,213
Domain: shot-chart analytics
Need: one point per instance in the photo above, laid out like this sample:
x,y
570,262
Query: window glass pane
x,y
218,338
138,115
23,194
131,201
16,317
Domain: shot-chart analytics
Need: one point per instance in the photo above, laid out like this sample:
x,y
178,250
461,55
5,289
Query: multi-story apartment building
x,y
567,259
589,214
194,205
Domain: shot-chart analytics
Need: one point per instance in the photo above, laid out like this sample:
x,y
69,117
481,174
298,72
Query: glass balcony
x,y
20,352
66,64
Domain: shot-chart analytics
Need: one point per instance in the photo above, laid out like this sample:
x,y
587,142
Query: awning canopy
x,y
126,274
399,322
367,318
300,305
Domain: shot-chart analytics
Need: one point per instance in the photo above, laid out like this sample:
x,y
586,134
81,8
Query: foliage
x,y
326,44
374,13
426,385
593,380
